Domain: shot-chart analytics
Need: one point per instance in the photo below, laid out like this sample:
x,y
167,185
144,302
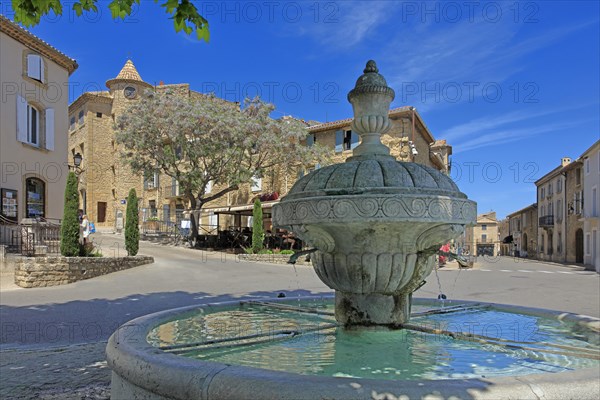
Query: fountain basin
x,y
143,371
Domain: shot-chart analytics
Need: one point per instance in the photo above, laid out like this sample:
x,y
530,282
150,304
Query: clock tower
x,y
127,86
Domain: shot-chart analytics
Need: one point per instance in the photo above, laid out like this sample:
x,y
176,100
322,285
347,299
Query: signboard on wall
x,y
9,204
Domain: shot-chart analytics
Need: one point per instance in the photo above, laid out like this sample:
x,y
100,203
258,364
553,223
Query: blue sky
x,y
513,86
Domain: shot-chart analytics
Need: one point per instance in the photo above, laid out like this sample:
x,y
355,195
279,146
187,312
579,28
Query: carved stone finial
x,y
371,98
371,67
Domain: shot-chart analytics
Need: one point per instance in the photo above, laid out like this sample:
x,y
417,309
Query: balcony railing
x,y
547,220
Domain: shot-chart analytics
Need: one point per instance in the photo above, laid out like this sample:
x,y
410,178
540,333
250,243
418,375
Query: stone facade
x,y
51,271
482,238
33,115
591,205
573,212
552,204
523,227
105,180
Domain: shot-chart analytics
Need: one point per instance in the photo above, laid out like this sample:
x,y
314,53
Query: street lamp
x,y
77,158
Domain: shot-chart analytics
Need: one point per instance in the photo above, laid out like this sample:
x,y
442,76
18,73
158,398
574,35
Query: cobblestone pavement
x,y
73,372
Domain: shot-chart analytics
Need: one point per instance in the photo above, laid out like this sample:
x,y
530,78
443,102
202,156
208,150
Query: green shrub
x,y
265,251
69,230
287,252
258,232
132,232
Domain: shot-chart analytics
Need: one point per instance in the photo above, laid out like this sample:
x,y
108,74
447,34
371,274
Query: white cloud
x,y
512,135
348,24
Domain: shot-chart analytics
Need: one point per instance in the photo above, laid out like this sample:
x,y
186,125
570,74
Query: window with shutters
x,y
256,184
81,119
151,180
153,210
35,125
35,67
350,140
72,123
213,220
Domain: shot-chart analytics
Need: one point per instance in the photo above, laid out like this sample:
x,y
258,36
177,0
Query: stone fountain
x,y
376,223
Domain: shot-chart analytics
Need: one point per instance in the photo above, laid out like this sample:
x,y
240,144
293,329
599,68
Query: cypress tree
x,y
69,230
132,233
258,232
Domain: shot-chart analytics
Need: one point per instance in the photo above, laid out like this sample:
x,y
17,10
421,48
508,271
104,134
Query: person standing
x,y
85,228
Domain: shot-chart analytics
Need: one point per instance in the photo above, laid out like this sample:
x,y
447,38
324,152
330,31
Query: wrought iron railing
x,y
546,220
38,238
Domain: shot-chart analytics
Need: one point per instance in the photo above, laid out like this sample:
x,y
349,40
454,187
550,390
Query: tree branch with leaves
x,y
184,13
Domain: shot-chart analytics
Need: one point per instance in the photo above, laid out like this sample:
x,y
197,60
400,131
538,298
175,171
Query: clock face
x,y
129,92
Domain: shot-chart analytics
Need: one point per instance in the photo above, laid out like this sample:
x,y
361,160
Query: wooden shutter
x,y
34,66
166,213
354,139
339,141
21,119
310,140
41,69
50,129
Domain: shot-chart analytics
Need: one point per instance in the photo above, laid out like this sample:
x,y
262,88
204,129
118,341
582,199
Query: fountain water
x,y
376,224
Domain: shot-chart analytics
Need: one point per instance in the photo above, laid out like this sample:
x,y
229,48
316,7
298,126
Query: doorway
x,y
579,246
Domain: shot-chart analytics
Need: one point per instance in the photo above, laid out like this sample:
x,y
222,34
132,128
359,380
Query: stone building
x,y
552,205
591,205
573,210
33,115
522,232
106,180
482,238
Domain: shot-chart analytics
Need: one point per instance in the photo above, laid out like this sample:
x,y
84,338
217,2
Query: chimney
x,y
161,83
565,161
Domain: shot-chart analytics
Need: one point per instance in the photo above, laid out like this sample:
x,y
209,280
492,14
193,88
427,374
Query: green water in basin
x,y
534,344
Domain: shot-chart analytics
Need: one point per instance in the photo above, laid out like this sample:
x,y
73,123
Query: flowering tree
x,y
202,140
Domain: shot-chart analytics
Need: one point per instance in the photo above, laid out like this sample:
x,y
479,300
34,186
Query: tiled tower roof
x,y
128,73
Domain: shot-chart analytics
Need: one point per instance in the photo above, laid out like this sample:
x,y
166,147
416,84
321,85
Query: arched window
x,y
35,200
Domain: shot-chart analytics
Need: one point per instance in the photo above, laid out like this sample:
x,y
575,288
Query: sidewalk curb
x,y
579,267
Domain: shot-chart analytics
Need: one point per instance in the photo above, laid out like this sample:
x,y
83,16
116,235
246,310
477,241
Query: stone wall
x,y
51,271
272,258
